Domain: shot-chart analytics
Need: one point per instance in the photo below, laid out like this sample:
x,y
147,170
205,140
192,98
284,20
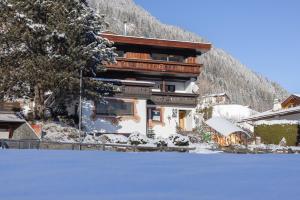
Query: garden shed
x,y
226,133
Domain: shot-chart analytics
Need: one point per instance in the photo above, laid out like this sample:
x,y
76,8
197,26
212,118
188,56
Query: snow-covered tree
x,y
45,43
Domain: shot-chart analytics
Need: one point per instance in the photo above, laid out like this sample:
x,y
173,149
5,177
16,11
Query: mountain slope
x,y
222,72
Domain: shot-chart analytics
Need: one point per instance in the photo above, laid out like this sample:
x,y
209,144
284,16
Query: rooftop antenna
x,y
125,27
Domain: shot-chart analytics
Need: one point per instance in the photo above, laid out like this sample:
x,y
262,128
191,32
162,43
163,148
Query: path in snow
x,y
74,175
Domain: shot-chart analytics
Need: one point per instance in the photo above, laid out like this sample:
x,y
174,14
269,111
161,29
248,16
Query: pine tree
x,y
45,43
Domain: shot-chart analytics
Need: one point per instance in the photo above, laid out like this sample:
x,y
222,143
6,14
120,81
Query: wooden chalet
x,y
157,81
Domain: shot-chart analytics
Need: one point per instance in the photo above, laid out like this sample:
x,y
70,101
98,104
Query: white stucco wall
x,y
180,87
104,125
169,123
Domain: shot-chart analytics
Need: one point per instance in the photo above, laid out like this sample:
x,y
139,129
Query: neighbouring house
x,y
214,99
280,122
291,101
155,83
12,126
225,133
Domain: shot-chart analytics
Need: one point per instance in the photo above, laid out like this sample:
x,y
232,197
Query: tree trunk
x,y
39,102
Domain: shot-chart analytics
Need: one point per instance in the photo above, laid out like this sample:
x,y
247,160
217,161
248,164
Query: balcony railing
x,y
180,99
155,66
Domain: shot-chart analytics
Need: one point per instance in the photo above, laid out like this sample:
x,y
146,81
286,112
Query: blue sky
x,y
262,34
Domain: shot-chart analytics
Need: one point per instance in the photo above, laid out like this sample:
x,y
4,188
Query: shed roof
x,y
223,126
10,118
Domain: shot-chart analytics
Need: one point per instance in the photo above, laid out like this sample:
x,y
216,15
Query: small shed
x,y
13,127
226,133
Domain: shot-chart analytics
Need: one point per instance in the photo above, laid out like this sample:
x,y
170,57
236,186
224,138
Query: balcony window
x,y
173,58
167,57
121,54
158,56
114,107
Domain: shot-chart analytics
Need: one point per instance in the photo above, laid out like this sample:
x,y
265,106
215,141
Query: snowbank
x,y
55,132
205,148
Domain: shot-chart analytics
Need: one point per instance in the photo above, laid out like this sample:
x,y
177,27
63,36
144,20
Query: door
x,y
182,115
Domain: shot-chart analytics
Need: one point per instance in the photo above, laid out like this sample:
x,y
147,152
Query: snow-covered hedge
x,y
277,122
179,140
138,138
114,138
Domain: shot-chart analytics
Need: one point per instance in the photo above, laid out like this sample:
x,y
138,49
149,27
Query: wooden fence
x,y
38,144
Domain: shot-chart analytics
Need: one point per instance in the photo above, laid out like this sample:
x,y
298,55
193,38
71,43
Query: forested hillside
x,y
222,72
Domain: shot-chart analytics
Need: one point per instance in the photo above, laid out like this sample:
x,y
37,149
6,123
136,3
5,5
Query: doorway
x,y
182,117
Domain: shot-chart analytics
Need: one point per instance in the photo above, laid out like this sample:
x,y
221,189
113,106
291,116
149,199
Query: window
x,y
173,58
158,56
114,107
155,115
170,88
167,57
121,54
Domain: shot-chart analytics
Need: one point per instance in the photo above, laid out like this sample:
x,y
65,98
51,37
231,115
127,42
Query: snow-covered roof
x,y
277,122
223,126
271,113
298,95
10,118
233,112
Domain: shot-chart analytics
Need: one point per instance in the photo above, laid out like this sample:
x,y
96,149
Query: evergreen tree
x,y
45,43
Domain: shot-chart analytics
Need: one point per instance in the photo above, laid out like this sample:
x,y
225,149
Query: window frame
x,y
151,114
115,111
168,57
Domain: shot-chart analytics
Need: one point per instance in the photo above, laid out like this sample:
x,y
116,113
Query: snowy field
x,y
73,175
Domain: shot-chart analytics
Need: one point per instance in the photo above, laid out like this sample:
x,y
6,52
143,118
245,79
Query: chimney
x,y
277,105
125,28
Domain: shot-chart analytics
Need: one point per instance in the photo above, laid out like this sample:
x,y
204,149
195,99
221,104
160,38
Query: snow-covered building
x,y
214,99
289,109
155,88
226,133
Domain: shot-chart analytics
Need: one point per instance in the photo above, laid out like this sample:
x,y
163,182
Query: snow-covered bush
x,y
161,142
179,140
58,133
137,138
89,139
113,138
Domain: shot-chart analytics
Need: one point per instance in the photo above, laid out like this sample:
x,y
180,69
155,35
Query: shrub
x,y
137,138
179,140
272,134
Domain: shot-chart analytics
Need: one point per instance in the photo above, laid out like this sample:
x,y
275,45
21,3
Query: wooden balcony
x,y
132,91
156,66
175,99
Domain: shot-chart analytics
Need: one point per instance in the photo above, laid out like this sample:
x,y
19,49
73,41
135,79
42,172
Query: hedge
x,y
272,134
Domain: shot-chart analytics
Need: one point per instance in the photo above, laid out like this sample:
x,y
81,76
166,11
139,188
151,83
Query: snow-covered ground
x,y
73,175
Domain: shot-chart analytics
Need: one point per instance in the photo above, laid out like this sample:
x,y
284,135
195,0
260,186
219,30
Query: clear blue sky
x,y
262,34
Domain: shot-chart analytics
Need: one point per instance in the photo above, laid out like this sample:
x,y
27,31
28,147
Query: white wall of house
x,y
180,87
169,123
98,124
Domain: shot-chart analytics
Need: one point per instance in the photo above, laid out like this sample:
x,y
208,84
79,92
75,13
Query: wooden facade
x,y
130,64
291,101
137,55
